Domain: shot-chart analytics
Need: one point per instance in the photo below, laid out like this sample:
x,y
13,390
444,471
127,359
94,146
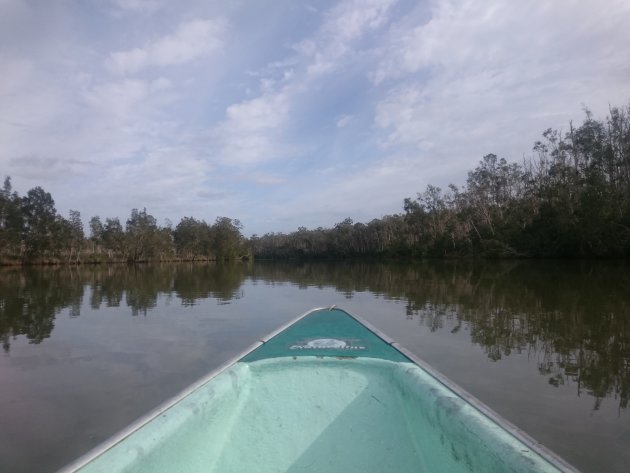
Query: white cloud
x,y
268,179
34,112
305,47
54,129
475,78
128,61
14,75
190,41
161,83
343,121
38,168
466,36
350,19
437,85
344,24
145,6
168,180
252,130
362,193
119,98
25,97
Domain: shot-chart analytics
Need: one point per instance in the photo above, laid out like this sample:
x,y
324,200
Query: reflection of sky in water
x,y
104,362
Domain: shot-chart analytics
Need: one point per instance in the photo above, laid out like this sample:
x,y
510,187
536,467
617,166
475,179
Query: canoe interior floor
x,y
315,414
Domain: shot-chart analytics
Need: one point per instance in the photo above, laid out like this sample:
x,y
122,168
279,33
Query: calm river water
x,y
87,350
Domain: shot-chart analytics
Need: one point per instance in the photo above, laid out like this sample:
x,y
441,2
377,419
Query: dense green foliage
x,y
31,231
571,198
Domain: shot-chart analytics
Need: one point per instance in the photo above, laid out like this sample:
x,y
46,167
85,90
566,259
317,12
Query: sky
x,y
288,113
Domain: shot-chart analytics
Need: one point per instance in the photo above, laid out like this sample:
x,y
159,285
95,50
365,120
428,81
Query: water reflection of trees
x,y
575,316
140,286
221,281
31,298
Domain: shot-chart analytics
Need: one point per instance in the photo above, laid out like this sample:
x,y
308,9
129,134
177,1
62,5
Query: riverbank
x,y
113,261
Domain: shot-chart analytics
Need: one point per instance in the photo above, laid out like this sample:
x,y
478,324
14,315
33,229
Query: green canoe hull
x,y
325,394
